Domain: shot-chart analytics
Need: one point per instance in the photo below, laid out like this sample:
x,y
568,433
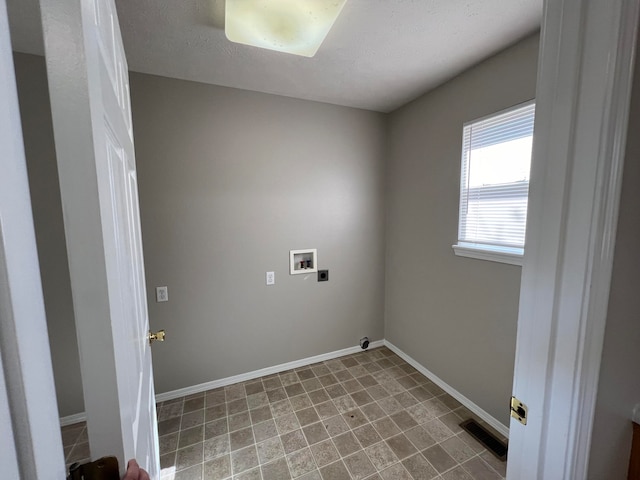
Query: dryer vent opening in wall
x,y
486,438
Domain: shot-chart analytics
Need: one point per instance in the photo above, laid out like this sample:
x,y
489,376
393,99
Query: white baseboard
x,y
243,377
71,419
496,424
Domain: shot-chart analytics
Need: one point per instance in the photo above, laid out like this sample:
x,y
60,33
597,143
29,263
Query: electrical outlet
x,y
271,278
162,294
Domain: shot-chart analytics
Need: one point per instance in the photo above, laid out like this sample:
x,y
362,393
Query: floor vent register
x,y
486,438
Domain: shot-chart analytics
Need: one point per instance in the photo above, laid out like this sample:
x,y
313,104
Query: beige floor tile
x,y
438,430
259,399
189,456
335,471
381,455
270,450
307,416
218,469
239,421
301,462
396,472
191,473
216,446
480,470
294,389
458,473
439,458
301,402
216,428
325,453
287,423
260,414
401,446
191,436
346,444
241,438
315,433
253,474
237,406
277,470
265,430
245,459
367,435
419,468
359,465
420,438
495,463
293,441
280,408
458,450
168,443
335,425
386,428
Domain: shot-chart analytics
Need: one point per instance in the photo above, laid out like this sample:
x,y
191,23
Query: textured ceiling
x,y
379,55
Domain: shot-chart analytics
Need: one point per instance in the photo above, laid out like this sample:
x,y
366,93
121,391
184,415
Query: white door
x,y
30,442
89,89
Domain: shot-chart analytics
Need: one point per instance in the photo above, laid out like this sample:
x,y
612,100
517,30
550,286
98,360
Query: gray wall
x,y
229,182
456,316
37,128
619,386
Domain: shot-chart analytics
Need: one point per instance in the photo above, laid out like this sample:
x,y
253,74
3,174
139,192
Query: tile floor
x,y
367,416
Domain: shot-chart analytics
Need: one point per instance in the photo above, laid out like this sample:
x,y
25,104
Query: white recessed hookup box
x,y
303,261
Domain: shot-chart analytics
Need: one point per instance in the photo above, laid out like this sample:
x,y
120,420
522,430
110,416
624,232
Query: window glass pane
x,y
494,186
506,162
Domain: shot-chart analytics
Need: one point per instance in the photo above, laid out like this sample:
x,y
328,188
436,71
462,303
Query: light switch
x,y
162,294
271,278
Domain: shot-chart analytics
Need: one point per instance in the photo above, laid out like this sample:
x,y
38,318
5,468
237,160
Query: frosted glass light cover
x,y
291,26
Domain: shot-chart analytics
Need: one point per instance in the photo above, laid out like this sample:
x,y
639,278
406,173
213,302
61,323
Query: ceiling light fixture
x,y
292,26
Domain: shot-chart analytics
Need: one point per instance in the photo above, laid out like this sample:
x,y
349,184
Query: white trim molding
x,y
483,414
487,253
243,377
71,419
583,94
29,434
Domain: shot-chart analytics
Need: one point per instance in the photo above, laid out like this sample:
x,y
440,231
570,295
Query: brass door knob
x,y
159,336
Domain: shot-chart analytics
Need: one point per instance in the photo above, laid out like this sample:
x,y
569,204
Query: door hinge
x,y
519,410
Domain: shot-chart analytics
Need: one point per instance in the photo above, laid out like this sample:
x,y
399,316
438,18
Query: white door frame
x,y
582,106
28,407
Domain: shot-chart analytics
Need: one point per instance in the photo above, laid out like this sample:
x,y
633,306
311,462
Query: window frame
x,y
482,251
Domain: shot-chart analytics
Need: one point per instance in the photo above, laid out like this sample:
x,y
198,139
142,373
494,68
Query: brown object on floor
x,y
105,468
634,462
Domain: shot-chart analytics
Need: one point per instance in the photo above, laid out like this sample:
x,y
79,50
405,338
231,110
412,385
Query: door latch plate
x,y
519,410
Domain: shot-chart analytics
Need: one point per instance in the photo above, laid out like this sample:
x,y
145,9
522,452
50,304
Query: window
x,y
494,185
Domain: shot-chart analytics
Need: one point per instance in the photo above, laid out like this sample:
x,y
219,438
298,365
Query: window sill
x,y
512,256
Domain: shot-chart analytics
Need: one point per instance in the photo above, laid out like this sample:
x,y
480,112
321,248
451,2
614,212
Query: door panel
x,y
96,163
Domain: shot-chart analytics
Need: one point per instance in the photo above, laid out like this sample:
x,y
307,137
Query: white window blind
x,y
494,184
